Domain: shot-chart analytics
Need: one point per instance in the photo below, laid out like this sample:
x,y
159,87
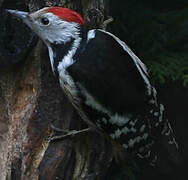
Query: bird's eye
x,y
45,21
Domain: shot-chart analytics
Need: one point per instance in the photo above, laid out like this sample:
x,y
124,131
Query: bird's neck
x,y
62,55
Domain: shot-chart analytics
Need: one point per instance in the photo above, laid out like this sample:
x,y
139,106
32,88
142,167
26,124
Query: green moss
x,y
169,67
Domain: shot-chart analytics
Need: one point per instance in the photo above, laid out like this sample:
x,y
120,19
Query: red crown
x,y
67,14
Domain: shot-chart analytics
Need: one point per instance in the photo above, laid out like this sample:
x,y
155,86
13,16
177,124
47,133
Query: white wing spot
x,y
118,133
114,118
148,154
152,101
125,130
156,114
133,130
132,123
90,35
118,120
145,136
125,146
112,136
104,120
142,128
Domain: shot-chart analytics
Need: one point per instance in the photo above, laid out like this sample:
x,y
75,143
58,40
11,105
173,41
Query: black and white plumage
x,y
106,82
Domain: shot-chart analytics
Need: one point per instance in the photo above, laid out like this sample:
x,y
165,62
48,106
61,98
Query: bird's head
x,y
53,24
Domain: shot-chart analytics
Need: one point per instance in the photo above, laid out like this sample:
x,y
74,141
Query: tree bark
x,y
31,99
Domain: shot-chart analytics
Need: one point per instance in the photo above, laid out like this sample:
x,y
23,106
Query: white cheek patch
x,y
58,31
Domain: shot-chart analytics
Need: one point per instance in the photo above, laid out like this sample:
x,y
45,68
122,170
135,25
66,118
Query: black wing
x,y
109,73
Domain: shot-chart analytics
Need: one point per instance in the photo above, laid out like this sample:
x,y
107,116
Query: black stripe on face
x,y
59,52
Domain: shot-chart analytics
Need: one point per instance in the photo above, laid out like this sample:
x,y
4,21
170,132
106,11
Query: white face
x,y
51,28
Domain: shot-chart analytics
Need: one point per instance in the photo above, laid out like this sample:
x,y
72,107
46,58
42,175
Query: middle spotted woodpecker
x,y
106,82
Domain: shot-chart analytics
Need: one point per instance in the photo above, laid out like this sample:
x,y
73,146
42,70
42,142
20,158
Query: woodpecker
x,y
106,82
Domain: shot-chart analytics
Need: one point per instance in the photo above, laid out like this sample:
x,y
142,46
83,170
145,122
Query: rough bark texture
x,y
30,99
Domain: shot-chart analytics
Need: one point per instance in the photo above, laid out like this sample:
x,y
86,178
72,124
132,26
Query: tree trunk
x,y
31,99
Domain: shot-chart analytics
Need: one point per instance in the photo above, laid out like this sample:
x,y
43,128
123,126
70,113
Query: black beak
x,y
20,14
24,16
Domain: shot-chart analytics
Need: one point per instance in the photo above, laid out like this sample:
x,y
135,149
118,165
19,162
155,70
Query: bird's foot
x,y
65,133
